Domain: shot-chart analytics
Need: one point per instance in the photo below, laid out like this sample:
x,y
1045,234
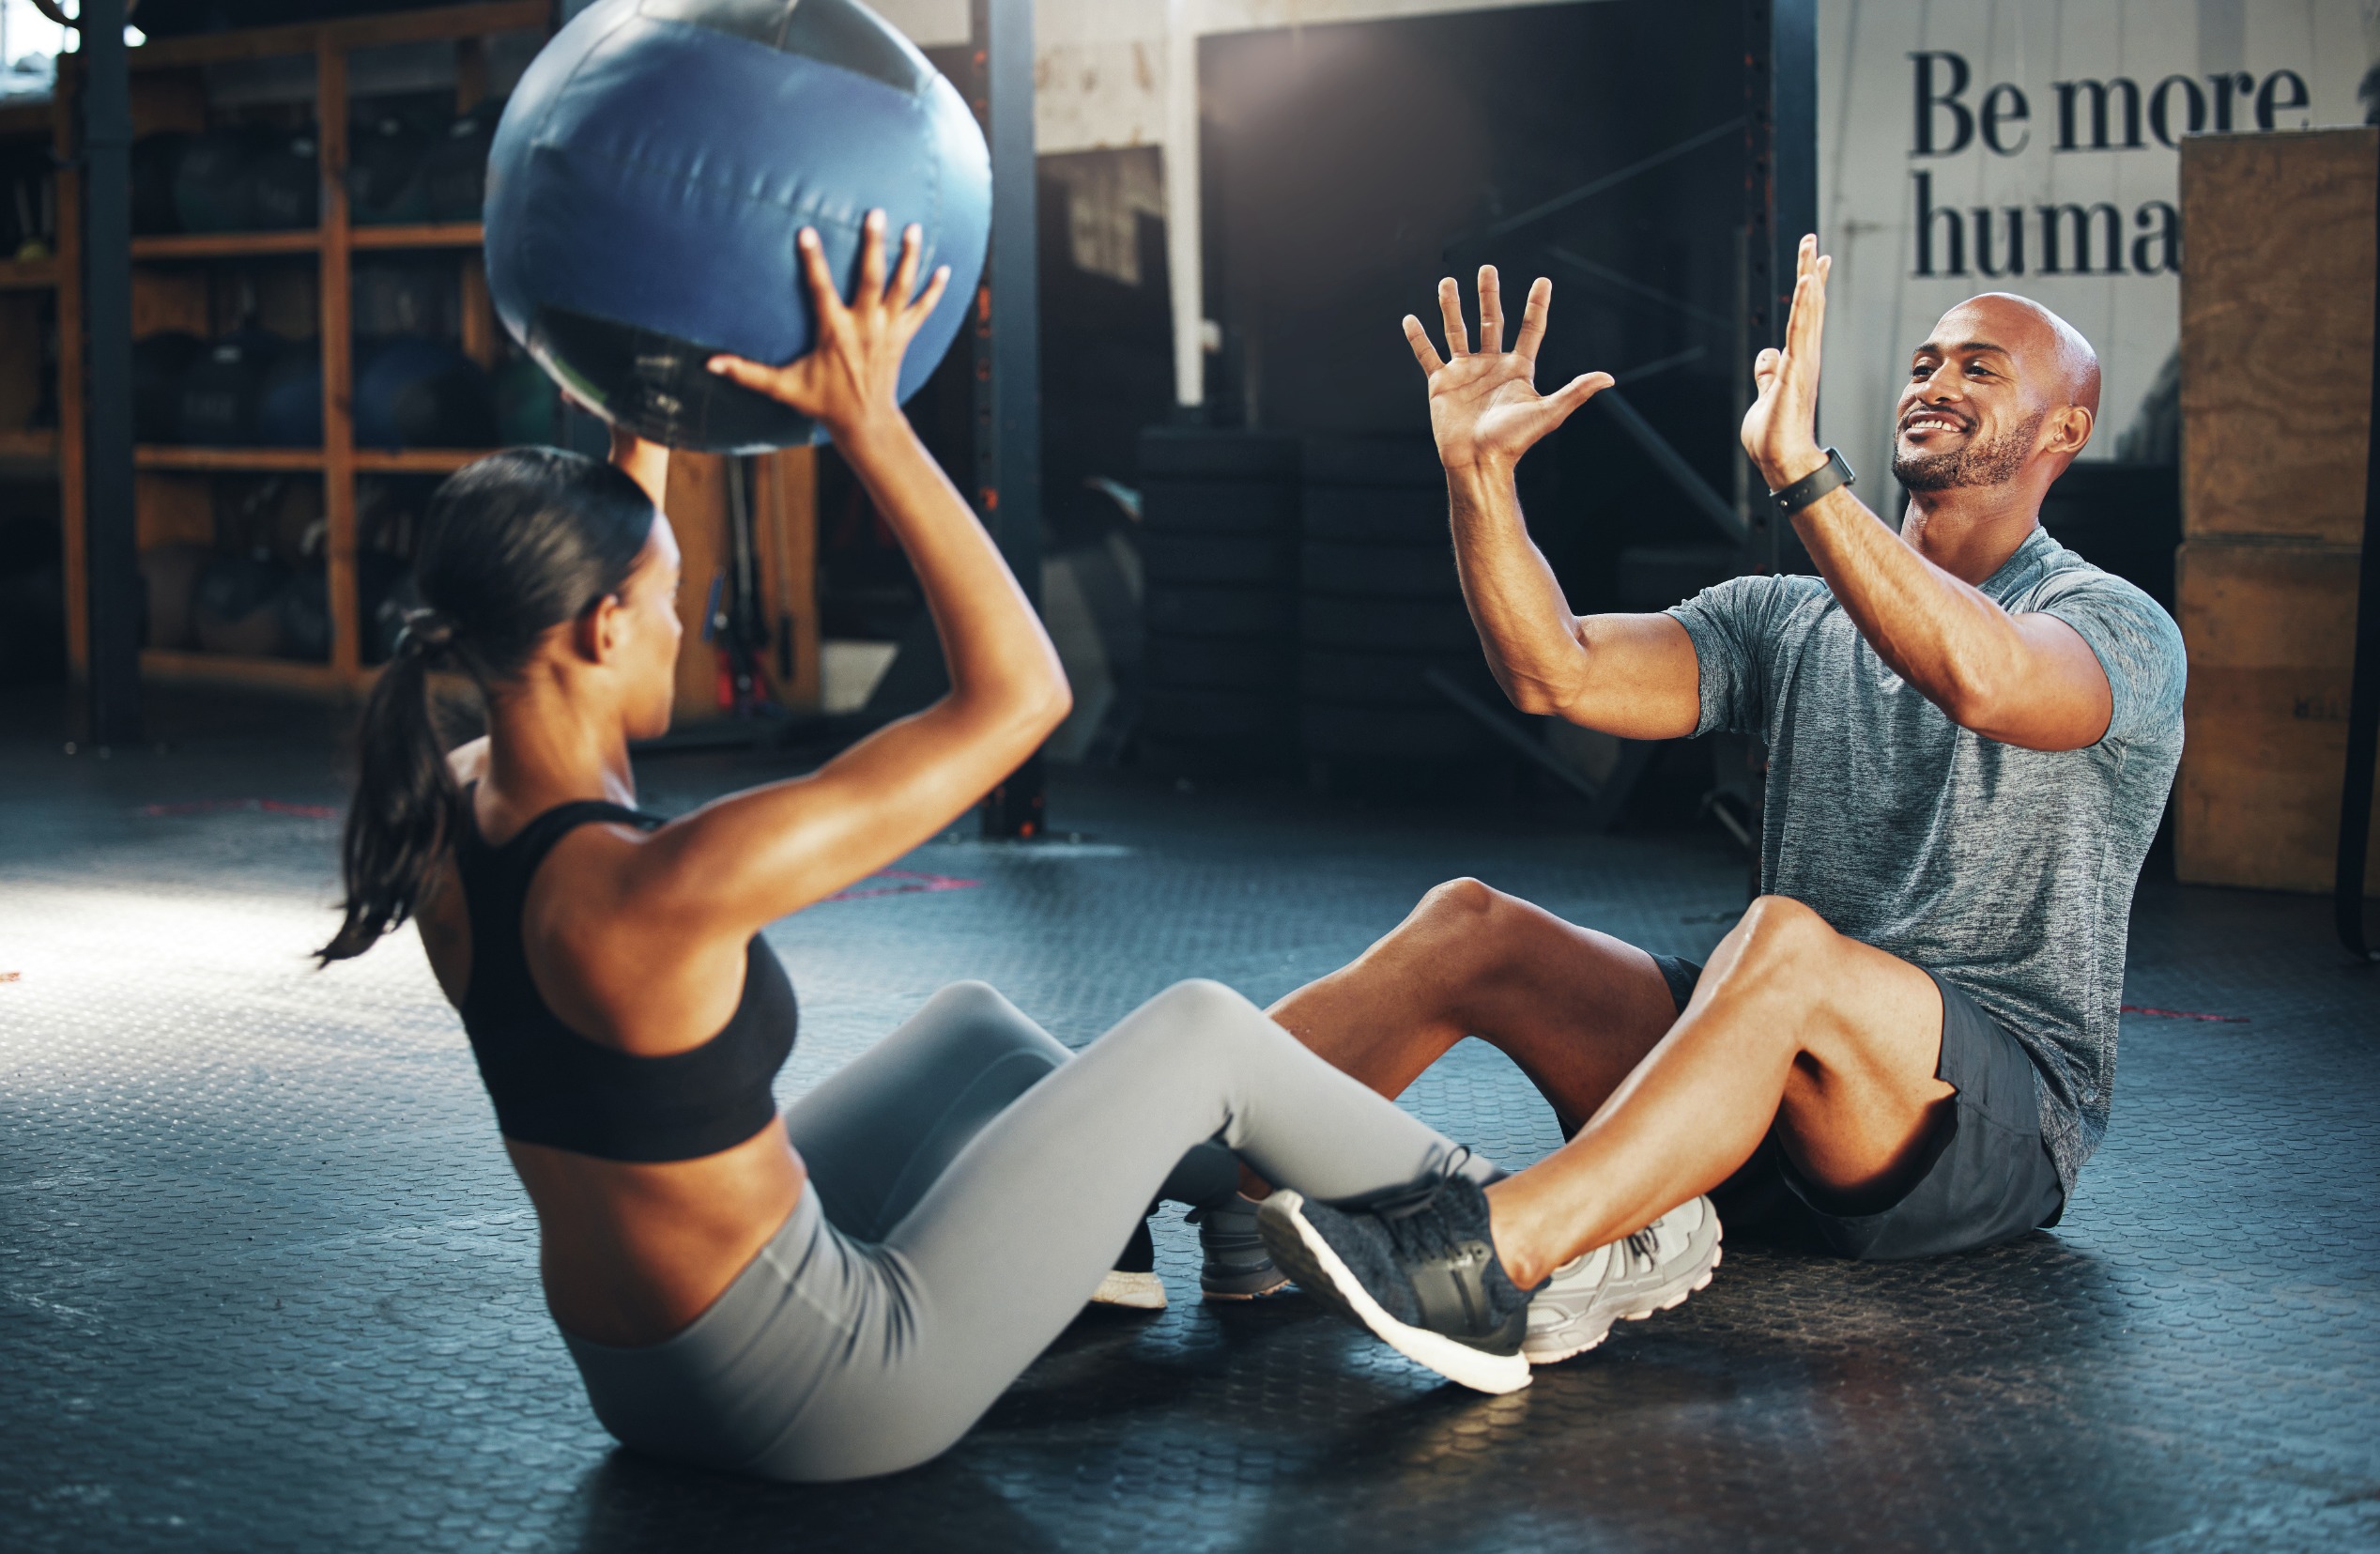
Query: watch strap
x,y
1832,475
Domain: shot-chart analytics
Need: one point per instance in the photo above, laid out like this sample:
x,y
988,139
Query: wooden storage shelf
x,y
425,234
28,274
415,461
226,245
29,447
254,245
366,461
169,72
152,456
173,666
780,495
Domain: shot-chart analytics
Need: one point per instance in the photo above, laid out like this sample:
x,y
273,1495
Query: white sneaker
x,y
1132,1290
1132,1283
1654,1269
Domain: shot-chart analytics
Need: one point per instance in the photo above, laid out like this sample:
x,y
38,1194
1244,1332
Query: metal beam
x,y
110,538
1007,347
1606,276
1604,799
1561,203
1780,193
1673,464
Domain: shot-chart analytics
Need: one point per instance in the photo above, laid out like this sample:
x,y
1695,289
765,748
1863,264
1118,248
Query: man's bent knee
x,y
1778,929
1779,948
1460,901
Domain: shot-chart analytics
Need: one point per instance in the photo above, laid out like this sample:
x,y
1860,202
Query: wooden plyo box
x,y
2268,627
2276,339
2277,333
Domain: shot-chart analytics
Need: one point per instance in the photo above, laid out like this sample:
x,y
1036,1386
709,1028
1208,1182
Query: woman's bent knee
x,y
973,1022
1193,1016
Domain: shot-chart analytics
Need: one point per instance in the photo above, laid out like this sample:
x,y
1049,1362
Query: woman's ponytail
x,y
516,545
406,800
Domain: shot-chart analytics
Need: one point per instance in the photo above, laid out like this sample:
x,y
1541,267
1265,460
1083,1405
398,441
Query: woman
x,y
844,1289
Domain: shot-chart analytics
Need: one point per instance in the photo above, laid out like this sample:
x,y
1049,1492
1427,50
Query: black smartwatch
x,y
1832,475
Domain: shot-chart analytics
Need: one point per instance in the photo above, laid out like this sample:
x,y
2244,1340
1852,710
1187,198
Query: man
x,y
1904,1046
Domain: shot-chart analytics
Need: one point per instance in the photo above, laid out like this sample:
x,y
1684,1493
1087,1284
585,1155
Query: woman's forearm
x,y
646,462
994,642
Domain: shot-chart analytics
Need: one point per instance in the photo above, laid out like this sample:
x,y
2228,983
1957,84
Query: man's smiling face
x,y
1980,391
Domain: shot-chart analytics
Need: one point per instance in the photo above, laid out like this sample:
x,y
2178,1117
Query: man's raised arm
x,y
1631,675
2029,680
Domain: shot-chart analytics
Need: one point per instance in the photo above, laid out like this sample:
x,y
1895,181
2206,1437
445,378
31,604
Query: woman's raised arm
x,y
755,856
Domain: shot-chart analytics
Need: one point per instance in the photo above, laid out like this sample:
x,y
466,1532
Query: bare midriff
x,y
633,1252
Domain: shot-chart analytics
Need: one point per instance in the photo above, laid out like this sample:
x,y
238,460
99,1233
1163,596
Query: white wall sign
x,y
2030,146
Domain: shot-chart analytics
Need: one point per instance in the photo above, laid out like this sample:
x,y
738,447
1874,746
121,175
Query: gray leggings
x,y
971,1182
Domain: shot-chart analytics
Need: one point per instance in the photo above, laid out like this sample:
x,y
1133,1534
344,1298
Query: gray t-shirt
x,y
2006,871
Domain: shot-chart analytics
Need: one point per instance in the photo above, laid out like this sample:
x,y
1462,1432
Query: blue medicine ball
x,y
653,168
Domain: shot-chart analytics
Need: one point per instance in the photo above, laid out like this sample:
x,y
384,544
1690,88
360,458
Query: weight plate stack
x,y
1380,608
1219,550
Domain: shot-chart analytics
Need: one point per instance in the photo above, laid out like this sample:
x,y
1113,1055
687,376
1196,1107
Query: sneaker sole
x,y
1551,1356
1267,1293
1297,1246
1132,1292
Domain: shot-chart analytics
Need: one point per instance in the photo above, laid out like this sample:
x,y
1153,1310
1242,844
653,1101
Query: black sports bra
x,y
553,1087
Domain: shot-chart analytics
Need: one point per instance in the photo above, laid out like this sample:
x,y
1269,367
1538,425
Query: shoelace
x,y
1418,1235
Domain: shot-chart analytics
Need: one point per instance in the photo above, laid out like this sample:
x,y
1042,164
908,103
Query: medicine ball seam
x,y
631,159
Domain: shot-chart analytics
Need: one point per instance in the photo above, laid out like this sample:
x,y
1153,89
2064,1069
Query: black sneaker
x,y
1133,1283
1236,1266
1420,1271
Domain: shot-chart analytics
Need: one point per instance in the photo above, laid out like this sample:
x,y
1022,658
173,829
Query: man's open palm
x,y
1485,407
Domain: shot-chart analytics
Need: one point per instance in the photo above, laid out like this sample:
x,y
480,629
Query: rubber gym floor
x,y
266,1282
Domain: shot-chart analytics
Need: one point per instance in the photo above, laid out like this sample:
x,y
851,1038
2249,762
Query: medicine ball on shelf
x,y
385,156
305,607
412,392
1219,601
650,171
224,388
212,188
454,175
169,575
285,177
159,362
238,606
289,406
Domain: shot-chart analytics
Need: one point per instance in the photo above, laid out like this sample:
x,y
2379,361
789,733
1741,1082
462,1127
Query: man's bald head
x,y
2051,355
2003,391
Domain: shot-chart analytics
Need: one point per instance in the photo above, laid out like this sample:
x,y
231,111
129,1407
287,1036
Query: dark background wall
x,y
1347,167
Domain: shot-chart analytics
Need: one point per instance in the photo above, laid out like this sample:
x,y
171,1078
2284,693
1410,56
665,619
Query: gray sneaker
x,y
1235,1266
1654,1269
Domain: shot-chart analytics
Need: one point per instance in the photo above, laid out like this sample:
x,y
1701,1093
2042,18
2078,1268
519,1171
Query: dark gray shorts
x,y
1990,1176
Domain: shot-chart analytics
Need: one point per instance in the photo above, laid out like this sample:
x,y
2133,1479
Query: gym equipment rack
x,y
169,292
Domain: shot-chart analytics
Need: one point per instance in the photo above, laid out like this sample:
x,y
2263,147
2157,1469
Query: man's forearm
x,y
1941,636
1523,618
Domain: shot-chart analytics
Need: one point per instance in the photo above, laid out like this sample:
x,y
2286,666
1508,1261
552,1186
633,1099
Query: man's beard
x,y
1993,463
